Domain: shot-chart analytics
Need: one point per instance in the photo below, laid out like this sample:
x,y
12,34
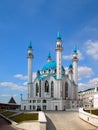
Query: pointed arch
x,y
37,89
52,89
46,86
66,90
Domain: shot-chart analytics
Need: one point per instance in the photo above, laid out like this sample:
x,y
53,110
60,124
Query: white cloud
x,y
20,76
92,49
82,85
84,72
8,95
69,57
80,56
90,84
34,75
25,77
94,82
13,86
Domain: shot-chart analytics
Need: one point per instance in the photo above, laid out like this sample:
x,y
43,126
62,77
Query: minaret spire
x,y
59,50
75,70
49,57
75,65
30,57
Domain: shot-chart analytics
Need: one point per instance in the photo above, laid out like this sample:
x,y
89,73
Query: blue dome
x,y
70,66
49,65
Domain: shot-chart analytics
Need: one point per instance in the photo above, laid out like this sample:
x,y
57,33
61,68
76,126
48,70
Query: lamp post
x,y
90,102
21,96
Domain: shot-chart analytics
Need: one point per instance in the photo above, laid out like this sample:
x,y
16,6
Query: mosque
x,y
53,88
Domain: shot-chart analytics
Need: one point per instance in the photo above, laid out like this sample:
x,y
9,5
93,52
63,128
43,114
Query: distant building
x,y
83,96
53,88
10,105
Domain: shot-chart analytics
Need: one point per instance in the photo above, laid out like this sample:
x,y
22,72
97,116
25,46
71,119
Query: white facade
x,y
83,97
96,101
52,88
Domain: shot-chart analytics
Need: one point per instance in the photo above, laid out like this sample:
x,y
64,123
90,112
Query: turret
x,y
70,72
30,57
49,57
75,65
59,50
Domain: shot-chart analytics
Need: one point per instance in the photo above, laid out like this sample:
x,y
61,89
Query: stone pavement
x,y
67,121
57,121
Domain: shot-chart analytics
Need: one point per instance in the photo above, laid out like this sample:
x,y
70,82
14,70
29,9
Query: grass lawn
x,y
95,112
8,113
25,117
1,110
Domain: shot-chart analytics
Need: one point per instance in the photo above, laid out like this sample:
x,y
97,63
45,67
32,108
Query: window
x,y
66,90
49,70
55,70
34,107
44,101
52,89
46,86
44,107
37,89
40,88
24,107
38,101
34,101
30,107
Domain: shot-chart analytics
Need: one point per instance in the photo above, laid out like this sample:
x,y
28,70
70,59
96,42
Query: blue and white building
x,y
53,88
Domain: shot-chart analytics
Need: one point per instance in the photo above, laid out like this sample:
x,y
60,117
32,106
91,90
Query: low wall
x,y
90,118
34,125
40,124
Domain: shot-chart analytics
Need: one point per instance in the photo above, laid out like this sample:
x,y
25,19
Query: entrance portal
x,y
56,108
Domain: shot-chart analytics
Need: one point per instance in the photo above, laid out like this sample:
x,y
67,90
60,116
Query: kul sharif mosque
x,y
52,89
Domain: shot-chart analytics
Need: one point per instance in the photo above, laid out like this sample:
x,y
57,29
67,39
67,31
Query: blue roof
x,y
30,45
58,36
70,66
75,49
49,65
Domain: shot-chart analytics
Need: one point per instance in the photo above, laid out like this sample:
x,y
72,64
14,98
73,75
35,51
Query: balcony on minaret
x,y
30,55
59,42
75,54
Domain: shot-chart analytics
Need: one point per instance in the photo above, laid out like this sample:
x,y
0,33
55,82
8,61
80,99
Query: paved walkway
x,y
57,121
67,121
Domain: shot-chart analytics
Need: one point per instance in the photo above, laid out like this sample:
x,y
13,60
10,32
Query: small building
x,y
96,100
83,96
11,105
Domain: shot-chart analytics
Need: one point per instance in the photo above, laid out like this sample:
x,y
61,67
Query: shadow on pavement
x,y
50,125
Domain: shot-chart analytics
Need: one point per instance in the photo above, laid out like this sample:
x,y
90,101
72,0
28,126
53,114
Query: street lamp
x,y
90,102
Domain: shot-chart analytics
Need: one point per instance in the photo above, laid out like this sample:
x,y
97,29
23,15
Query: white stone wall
x,y
96,101
90,118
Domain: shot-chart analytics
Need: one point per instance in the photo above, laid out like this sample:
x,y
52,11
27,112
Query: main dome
x,y
49,65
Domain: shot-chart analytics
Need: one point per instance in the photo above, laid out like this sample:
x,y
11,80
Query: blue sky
x,y
39,21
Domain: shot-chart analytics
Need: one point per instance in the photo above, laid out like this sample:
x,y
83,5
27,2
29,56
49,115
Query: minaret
x,y
70,72
49,59
30,57
59,50
75,66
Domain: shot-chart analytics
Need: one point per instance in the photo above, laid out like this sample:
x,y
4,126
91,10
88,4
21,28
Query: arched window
x,y
36,89
52,89
66,90
44,101
46,86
